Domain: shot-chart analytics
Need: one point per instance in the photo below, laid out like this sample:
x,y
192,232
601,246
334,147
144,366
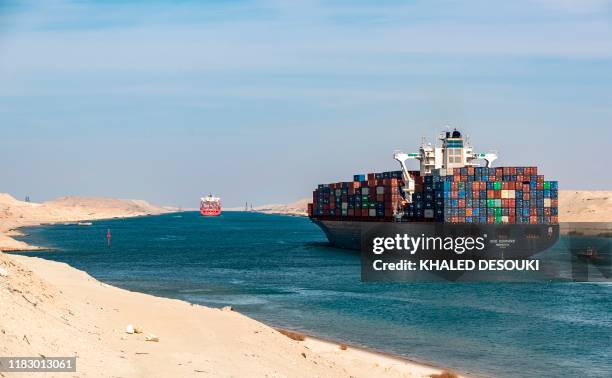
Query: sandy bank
x,y
51,309
15,213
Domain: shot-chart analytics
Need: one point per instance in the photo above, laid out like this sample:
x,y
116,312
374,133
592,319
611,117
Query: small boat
x,y
84,224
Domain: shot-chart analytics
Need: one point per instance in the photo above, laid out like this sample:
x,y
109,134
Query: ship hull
x,y
210,212
525,240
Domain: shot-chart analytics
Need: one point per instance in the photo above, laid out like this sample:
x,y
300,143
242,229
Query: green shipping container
x,y
497,185
546,184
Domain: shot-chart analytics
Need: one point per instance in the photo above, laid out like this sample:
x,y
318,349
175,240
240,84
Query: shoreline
x,y
8,235
312,340
95,295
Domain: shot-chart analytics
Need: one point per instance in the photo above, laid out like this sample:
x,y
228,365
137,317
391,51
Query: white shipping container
x,y
344,205
505,219
365,191
547,202
511,194
428,213
372,212
380,190
504,194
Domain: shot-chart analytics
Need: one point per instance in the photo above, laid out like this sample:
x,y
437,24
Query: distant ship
x,y
210,206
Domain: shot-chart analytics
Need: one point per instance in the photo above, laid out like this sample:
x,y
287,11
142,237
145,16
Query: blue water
x,y
279,270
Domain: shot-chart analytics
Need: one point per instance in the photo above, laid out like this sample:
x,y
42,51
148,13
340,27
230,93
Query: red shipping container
x,y
380,197
497,194
476,194
511,203
468,212
554,203
364,212
351,212
371,176
505,203
388,213
490,193
461,203
554,219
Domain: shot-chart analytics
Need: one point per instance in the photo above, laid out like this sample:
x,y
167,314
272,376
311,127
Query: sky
x,y
260,101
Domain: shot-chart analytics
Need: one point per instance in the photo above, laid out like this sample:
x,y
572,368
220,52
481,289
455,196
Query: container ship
x,y
455,188
210,206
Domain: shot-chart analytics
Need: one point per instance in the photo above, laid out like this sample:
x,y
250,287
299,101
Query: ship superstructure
x,y
454,152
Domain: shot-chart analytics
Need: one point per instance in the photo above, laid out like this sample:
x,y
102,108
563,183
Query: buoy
x,y
108,237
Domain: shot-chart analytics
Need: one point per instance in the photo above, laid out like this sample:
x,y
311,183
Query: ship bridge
x,y
453,152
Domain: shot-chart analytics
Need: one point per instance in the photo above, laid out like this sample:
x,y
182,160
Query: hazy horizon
x,y
260,101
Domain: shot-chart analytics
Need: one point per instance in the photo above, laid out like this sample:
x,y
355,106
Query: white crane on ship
x,y
455,152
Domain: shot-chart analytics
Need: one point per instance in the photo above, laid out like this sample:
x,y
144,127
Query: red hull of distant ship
x,y
210,212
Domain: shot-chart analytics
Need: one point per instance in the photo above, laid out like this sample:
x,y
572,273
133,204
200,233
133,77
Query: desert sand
x,y
298,208
51,309
585,206
14,214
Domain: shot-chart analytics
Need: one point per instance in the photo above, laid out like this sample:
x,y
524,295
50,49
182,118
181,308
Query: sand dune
x,y
585,206
51,309
299,207
15,213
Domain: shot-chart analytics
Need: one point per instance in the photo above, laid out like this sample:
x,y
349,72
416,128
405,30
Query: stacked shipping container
x,y
376,196
461,195
486,195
